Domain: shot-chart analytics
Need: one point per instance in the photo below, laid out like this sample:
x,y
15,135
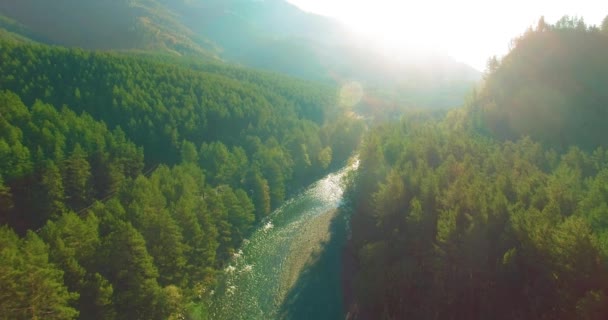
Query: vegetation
x,y
549,87
122,24
469,217
127,180
270,35
141,176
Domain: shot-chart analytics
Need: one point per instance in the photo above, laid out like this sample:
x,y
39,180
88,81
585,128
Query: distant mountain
x,y
266,34
103,24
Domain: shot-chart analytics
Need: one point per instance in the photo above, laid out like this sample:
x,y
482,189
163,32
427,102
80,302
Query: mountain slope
x,y
448,223
278,36
551,87
271,34
122,24
142,177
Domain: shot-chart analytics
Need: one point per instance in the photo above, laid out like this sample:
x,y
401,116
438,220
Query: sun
x,y
389,24
470,31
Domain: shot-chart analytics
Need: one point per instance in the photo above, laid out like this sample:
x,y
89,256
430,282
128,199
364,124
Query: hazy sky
x,y
468,30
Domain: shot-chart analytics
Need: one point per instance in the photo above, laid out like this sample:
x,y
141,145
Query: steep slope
x,y
137,178
498,210
276,35
123,24
272,35
551,86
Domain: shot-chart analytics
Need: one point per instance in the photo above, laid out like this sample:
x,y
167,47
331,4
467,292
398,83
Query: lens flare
x,y
351,94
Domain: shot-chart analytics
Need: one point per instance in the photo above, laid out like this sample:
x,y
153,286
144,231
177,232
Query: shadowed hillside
x,y
272,35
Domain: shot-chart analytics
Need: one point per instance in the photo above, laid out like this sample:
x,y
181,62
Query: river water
x,y
290,268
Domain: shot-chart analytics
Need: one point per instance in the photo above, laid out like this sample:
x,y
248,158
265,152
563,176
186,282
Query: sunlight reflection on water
x,y
255,291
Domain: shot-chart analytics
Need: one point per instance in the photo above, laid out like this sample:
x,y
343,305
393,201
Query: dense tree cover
x,y
551,86
159,105
32,287
55,160
143,96
119,24
141,177
448,225
272,35
468,218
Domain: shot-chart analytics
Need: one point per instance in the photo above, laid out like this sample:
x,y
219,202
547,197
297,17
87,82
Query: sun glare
x,y
469,31
397,26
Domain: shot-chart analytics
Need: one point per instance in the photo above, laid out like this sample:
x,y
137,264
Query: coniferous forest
x,y
130,177
497,210
127,182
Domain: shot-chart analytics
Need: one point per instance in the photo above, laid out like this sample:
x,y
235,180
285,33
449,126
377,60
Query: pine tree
x,y
130,269
76,178
32,287
188,151
260,193
74,244
163,236
52,194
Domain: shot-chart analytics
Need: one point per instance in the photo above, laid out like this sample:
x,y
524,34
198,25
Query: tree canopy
x,y
143,175
496,210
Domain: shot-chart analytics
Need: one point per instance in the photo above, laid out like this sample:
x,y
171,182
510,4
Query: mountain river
x,y
290,268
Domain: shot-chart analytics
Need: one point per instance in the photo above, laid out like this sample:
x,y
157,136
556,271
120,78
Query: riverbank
x,y
349,268
307,248
314,273
291,267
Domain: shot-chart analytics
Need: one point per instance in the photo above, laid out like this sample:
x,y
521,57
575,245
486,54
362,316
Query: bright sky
x,y
470,31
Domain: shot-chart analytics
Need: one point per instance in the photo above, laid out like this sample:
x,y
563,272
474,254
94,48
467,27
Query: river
x,y
290,268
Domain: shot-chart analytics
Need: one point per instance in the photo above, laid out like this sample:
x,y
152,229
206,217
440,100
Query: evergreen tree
x,y
32,287
163,236
189,154
76,178
74,243
89,121
260,193
51,195
131,271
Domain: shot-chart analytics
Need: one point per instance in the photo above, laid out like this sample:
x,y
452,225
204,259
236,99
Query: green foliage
x,y
449,224
271,35
129,267
220,147
57,160
32,287
76,176
52,193
549,87
74,245
260,193
499,209
189,154
139,24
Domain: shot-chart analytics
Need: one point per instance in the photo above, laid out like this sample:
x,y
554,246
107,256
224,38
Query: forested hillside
x,y
127,181
551,86
118,25
498,210
272,35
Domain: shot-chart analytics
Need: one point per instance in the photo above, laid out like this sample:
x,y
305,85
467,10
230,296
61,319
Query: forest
x,y
126,182
497,210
